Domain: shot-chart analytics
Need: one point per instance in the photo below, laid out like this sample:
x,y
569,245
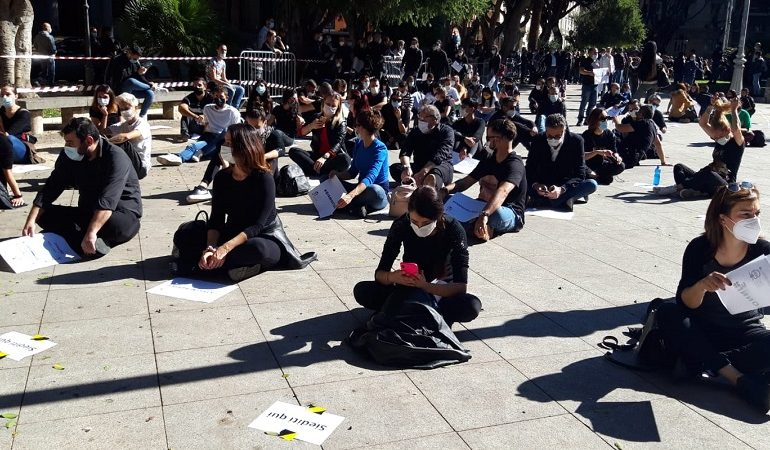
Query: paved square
x,y
150,372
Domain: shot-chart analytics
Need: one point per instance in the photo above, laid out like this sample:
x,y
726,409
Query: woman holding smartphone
x,y
435,263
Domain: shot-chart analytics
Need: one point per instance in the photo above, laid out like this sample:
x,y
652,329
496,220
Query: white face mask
x,y
226,153
374,90
553,143
8,101
127,114
723,140
632,114
553,98
747,230
395,104
511,113
423,126
103,101
72,153
425,230
330,110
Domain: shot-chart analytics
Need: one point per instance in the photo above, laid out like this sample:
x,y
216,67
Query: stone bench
x,y
71,105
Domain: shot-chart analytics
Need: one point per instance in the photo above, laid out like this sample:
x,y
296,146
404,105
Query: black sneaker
x,y
359,212
241,273
756,391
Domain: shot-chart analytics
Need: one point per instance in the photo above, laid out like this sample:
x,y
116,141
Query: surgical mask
x,y
423,126
103,101
511,113
8,101
220,102
538,87
553,98
223,55
374,90
72,153
127,114
746,230
553,143
260,89
396,104
722,140
330,110
603,124
226,153
425,230
271,24
632,114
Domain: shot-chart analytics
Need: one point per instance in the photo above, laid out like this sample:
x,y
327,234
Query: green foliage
x,y
609,23
170,27
397,12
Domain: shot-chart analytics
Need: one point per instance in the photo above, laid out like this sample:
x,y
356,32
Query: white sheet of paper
x,y
463,208
313,182
750,289
195,290
465,166
160,127
309,426
326,195
601,75
550,214
42,250
457,66
26,168
19,345
492,82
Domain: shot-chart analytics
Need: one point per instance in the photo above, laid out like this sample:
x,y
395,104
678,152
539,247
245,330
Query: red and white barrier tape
x,y
169,84
107,58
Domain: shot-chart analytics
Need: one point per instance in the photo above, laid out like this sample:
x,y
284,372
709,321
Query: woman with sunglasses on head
x,y
699,329
437,245
328,141
601,153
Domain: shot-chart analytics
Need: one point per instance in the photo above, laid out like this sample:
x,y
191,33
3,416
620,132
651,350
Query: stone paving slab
x,y
151,372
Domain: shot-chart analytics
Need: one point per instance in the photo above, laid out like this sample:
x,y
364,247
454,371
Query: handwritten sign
x,y
750,289
190,289
41,250
19,345
326,196
290,422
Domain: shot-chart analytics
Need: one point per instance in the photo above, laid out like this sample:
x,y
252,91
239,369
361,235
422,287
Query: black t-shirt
x,y
442,106
285,121
490,173
657,117
731,154
96,113
643,135
604,141
697,262
375,99
196,105
20,123
587,64
443,256
245,206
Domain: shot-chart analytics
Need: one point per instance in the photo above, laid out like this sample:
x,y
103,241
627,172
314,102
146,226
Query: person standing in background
x,y
45,44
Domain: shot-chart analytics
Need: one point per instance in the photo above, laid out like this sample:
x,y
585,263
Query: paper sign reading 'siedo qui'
x,y
290,422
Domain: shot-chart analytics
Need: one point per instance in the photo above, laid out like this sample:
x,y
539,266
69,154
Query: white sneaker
x,y
169,160
197,156
199,194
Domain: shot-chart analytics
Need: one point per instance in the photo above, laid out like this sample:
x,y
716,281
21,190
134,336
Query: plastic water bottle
x,y
656,176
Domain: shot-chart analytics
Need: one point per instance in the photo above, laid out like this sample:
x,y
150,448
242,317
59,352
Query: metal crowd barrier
x,y
278,71
393,70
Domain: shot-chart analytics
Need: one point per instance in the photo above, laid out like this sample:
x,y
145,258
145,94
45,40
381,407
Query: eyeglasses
x,y
604,119
735,187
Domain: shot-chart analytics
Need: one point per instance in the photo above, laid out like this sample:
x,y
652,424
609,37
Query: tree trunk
x,y
16,18
534,24
512,26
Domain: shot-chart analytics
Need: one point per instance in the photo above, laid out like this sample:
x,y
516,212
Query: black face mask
x,y
220,102
199,91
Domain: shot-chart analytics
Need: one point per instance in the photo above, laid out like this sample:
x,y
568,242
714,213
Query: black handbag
x,y
189,242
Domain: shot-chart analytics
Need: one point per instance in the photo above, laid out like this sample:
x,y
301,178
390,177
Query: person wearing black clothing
x,y
260,97
273,140
601,153
244,236
7,180
393,132
375,97
109,199
469,130
612,98
503,185
698,328
437,244
556,168
16,124
640,138
328,142
552,104
104,109
412,59
495,61
657,115
537,96
191,109
727,155
285,116
747,102
438,62
588,85
127,75
431,144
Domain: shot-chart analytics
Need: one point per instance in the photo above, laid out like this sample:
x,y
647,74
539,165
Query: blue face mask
x,y
603,124
260,89
72,153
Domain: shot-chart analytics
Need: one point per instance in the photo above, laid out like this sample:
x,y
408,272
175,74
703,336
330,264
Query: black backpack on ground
x,y
759,139
646,348
292,182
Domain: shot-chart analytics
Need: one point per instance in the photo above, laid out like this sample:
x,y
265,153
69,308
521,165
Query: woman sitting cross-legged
x,y
437,245
370,165
244,236
328,142
699,329
601,153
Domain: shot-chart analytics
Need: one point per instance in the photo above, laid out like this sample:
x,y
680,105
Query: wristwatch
x,y
484,214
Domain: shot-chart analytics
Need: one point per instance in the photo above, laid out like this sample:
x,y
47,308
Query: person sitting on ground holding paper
x,y
370,166
556,168
600,147
503,185
469,130
328,142
109,200
239,241
701,330
435,249
431,144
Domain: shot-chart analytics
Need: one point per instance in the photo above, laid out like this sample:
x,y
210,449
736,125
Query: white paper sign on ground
x,y
326,196
42,250
26,168
750,289
190,289
19,345
463,208
311,427
550,214
465,166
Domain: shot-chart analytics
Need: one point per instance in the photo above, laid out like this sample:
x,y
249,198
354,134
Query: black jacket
x,y
435,146
412,60
569,169
336,135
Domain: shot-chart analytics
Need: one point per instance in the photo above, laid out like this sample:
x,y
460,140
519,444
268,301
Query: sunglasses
x,y
735,187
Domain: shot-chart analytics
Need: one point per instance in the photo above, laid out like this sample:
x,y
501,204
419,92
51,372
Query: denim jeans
x,y
755,87
587,98
140,90
19,150
374,197
207,144
234,95
582,189
503,220
50,73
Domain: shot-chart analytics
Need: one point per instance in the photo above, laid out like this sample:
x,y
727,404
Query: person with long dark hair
x,y
647,71
601,152
104,110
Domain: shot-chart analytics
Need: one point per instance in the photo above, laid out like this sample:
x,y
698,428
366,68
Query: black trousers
x,y
379,297
703,180
257,250
71,223
304,159
443,173
188,126
707,348
605,168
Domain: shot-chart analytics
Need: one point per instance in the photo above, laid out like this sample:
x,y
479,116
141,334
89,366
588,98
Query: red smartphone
x,y
410,269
